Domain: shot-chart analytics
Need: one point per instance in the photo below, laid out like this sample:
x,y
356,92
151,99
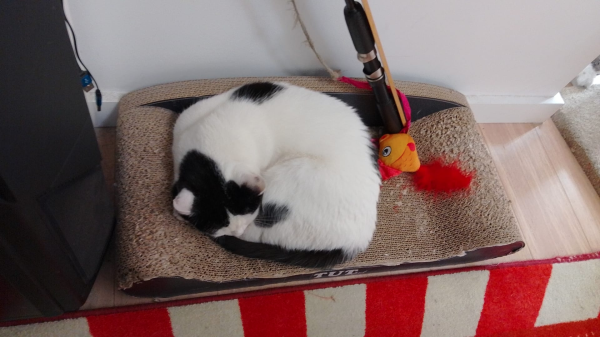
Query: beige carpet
x,y
579,123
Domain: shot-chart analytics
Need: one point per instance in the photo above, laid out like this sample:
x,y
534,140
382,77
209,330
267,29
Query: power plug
x,y
86,81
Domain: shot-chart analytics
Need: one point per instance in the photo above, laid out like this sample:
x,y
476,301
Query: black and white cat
x,y
278,172
586,77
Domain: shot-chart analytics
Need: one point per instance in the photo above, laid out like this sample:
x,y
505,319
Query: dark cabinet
x,y
56,217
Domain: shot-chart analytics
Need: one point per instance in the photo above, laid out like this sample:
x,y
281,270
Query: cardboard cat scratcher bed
x,y
159,256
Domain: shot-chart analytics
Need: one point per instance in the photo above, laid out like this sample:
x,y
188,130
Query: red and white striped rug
x,y
560,297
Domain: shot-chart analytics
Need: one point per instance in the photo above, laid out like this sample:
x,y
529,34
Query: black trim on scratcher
x,y
176,286
364,103
302,258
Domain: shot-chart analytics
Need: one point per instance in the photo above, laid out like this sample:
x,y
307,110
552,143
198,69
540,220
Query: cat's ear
x,y
245,177
183,202
259,184
255,182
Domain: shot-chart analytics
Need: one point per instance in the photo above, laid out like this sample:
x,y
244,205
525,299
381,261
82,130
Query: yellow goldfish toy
x,y
399,152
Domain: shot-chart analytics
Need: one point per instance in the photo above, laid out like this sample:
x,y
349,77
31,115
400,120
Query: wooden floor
x,y
557,209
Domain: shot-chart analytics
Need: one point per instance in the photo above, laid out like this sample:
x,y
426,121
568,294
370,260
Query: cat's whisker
x,y
273,217
263,223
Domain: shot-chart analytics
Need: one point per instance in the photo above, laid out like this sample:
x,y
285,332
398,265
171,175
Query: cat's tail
x,y
302,258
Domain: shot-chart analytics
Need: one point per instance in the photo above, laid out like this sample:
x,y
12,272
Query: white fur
x,y
586,77
237,224
313,154
183,202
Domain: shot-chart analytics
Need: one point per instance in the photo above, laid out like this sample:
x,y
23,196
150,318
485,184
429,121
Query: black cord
x,y
77,52
98,92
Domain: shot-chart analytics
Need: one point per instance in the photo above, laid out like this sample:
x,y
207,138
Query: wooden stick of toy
x,y
386,68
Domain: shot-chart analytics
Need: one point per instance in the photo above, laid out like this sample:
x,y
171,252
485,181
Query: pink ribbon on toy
x,y
403,99
387,172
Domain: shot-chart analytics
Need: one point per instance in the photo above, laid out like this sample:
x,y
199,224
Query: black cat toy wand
x,y
364,37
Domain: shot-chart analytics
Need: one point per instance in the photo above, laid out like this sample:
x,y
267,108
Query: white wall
x,y
500,48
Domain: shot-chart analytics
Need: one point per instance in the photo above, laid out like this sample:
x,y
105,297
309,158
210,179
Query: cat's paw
x,y
178,216
235,228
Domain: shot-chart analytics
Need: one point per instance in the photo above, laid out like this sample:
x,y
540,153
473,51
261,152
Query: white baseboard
x,y
514,109
487,109
107,117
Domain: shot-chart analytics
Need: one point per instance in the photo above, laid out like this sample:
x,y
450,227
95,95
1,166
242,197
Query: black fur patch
x,y
303,258
256,92
201,176
270,214
213,196
241,199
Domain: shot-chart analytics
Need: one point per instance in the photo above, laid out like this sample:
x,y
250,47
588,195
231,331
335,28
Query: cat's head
x,y
215,202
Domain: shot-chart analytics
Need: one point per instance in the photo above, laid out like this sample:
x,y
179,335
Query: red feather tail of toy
x,y
438,177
